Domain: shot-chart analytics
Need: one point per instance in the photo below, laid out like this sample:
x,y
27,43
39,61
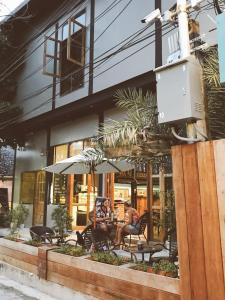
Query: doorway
x,y
39,198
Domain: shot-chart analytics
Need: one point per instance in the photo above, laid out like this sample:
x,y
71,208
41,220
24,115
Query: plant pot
x,y
163,273
150,270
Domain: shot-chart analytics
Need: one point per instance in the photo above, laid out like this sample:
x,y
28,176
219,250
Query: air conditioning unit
x,y
179,91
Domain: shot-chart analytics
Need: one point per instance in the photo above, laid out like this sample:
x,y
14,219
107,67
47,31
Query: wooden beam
x,y
189,223
210,221
181,219
219,150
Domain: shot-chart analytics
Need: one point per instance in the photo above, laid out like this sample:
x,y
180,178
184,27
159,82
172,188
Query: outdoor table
x,y
148,249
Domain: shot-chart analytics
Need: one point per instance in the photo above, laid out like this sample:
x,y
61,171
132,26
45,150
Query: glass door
x,y
81,198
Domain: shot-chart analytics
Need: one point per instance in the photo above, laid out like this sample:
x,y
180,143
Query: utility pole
x,y
183,28
184,46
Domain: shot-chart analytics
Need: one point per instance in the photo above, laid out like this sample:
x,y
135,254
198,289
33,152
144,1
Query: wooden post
x,y
219,150
210,221
162,201
200,256
149,201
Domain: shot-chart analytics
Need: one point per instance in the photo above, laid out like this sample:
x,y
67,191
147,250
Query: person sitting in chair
x,y
130,225
103,214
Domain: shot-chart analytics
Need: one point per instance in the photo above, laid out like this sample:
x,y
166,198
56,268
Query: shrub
x,y
108,258
141,266
61,218
71,250
18,216
165,267
34,243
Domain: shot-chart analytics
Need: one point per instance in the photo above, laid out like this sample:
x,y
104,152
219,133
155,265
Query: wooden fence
x,y
199,184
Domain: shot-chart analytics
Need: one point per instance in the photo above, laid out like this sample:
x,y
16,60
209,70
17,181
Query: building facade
x,y
77,54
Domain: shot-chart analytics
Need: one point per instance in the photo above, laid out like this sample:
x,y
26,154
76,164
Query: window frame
x,y
56,57
71,22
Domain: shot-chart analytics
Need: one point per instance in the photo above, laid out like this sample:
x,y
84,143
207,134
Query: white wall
x,y
74,130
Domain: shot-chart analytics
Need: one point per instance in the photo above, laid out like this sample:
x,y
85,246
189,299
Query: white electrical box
x,y
179,91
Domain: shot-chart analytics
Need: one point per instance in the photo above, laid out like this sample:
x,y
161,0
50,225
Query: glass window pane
x,y
79,215
60,152
156,191
28,180
60,188
81,19
50,44
80,189
60,181
49,65
76,148
65,29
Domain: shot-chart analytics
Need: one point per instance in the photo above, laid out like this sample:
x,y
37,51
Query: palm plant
x,y
139,135
215,92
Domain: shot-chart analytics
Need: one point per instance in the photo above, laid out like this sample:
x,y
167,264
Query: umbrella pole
x,y
93,180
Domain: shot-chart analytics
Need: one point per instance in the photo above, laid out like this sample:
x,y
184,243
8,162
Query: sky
x,y
6,6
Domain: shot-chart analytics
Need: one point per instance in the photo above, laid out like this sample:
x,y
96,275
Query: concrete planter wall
x,y
19,255
81,274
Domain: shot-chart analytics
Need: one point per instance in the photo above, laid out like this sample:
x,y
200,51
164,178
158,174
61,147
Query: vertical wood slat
x,y
219,150
182,234
194,223
189,223
162,200
210,220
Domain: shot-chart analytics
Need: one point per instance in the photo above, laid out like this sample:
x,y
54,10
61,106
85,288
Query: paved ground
x,y
11,290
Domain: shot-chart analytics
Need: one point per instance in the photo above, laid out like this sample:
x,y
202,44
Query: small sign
x,y
220,20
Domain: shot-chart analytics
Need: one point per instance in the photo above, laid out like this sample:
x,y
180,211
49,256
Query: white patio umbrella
x,y
90,161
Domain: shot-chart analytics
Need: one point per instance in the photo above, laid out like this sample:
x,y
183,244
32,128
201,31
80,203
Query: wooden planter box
x,y
108,281
81,274
19,255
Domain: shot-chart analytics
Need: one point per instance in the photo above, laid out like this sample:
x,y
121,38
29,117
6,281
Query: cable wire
x,y
50,99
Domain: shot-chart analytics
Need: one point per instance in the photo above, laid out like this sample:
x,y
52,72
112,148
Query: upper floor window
x,y
65,57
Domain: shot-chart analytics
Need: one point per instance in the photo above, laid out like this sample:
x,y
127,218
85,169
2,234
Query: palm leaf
x,y
215,92
139,125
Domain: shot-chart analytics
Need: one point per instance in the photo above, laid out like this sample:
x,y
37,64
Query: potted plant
x,y
62,220
164,267
18,216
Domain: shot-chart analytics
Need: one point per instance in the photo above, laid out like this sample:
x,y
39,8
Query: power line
x,y
97,18
125,7
50,99
29,54
97,60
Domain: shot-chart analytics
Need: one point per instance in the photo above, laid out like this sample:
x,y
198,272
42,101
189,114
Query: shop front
x,y
77,190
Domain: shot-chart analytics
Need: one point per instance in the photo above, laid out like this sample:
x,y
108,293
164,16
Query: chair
x,y
42,233
84,238
171,237
93,237
143,222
